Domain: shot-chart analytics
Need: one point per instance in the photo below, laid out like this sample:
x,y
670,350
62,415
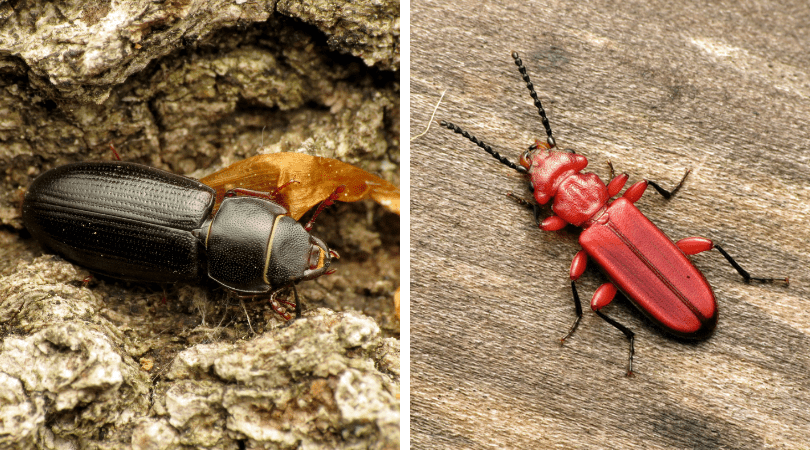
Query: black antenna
x,y
530,86
483,145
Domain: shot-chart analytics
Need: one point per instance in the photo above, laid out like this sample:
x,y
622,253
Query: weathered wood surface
x,y
656,87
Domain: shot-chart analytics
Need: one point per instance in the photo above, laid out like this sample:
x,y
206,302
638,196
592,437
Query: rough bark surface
x,y
191,87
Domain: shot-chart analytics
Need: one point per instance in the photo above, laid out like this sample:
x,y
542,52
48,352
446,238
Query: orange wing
x,y
316,179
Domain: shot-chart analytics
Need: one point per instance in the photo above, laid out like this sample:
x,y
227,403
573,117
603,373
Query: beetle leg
x,y
578,306
746,276
551,223
329,201
274,195
602,297
280,311
286,303
520,200
630,336
297,303
277,308
536,209
578,265
283,313
277,191
695,245
616,183
668,194
115,152
634,192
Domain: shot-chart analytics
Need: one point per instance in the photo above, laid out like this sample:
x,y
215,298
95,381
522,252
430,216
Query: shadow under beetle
x,y
639,259
136,222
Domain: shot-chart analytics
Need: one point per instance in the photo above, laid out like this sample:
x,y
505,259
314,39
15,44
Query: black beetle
x,y
136,222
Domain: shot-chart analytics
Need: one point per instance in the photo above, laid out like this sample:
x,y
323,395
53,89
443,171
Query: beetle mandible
x,y
638,258
136,222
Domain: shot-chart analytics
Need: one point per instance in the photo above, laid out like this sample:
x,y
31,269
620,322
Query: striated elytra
x,y
136,222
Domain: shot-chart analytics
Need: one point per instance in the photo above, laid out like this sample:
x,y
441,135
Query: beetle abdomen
x,y
121,219
652,272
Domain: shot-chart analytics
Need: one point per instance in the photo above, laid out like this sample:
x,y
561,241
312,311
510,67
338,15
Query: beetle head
x,y
528,156
320,257
548,168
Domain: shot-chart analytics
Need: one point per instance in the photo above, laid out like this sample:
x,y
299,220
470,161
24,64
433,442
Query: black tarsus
x,y
578,306
536,209
297,302
744,273
630,337
665,193
627,332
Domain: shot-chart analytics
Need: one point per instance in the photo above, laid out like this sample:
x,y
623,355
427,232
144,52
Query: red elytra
x,y
640,260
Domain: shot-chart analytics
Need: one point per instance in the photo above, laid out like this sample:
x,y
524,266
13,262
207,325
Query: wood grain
x,y
655,87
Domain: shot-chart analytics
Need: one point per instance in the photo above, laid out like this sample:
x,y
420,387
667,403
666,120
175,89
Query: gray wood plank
x,y
656,87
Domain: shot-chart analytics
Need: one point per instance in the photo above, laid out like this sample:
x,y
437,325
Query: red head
x,y
554,174
548,169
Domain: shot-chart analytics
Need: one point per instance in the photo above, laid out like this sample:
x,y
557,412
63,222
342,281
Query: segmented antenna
x,y
503,160
530,86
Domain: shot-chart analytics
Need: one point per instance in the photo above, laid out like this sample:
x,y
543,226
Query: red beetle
x,y
638,258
